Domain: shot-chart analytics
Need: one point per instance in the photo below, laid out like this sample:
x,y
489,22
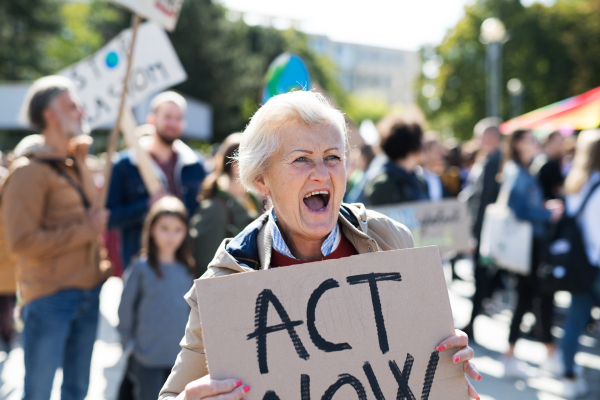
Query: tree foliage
x,y
225,60
25,28
551,49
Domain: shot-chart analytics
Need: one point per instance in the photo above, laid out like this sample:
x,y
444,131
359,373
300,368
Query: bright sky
x,y
399,24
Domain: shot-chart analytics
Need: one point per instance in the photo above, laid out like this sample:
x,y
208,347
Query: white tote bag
x,y
505,239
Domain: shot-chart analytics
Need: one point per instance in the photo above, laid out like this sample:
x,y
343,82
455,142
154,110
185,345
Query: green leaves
x,y
550,49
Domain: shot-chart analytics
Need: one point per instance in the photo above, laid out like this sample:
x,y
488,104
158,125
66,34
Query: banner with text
x,y
362,327
163,12
444,223
99,78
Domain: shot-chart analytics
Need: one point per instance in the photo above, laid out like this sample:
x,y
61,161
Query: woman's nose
x,y
320,172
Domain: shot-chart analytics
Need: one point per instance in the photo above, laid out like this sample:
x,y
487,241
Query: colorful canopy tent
x,y
574,113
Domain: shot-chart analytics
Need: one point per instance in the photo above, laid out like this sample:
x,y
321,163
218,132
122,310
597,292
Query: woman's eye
x,y
301,159
333,158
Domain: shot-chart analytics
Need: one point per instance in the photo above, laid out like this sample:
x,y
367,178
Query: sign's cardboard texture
x,y
359,327
444,223
163,12
99,78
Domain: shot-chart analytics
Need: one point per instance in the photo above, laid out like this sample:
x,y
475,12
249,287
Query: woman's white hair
x,y
261,138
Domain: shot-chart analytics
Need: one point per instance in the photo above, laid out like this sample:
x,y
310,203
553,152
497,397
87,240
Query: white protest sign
x,y
164,12
442,223
361,327
99,78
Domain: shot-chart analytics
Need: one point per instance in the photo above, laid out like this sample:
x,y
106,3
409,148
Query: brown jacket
x,y
46,226
376,233
8,267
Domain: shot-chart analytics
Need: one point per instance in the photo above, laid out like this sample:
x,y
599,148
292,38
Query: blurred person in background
x,y
569,143
584,175
225,208
8,283
28,146
547,166
51,228
154,286
360,160
401,179
434,164
451,178
178,167
526,200
481,191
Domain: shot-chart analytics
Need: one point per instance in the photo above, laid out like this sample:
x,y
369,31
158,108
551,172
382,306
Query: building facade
x,y
372,71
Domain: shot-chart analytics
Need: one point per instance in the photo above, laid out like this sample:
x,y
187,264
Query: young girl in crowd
x,y
153,312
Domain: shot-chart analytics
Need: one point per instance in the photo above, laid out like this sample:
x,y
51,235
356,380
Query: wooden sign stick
x,y
114,134
131,133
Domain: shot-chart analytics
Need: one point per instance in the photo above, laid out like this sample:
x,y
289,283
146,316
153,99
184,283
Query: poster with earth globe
x,y
286,73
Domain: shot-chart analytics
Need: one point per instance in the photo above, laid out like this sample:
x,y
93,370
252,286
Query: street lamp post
x,y
515,89
493,34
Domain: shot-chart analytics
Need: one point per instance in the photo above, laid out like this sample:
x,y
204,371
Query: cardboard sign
x,y
99,78
361,327
163,12
445,223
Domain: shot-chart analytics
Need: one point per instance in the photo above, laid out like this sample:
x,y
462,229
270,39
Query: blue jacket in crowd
x,y
128,198
526,197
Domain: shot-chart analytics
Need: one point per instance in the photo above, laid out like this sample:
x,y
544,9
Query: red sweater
x,y
344,249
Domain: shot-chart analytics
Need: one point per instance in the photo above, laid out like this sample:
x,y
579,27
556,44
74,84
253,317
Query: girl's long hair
x,y
166,206
586,160
223,165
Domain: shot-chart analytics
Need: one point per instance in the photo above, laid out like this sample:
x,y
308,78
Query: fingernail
x,y
441,347
456,359
246,389
238,384
479,378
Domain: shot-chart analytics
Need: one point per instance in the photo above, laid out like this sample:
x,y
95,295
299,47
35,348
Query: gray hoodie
x,y
153,312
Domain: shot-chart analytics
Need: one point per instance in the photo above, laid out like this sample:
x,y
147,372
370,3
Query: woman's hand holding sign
x,y
206,388
461,341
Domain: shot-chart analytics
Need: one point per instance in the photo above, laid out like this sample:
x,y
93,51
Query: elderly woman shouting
x,y
293,152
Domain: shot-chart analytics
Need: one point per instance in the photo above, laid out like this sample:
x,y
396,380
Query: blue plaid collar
x,y
281,247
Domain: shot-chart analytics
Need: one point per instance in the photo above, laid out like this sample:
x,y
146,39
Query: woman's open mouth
x,y
317,201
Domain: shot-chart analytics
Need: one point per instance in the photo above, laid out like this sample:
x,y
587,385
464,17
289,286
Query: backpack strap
x,y
53,164
587,197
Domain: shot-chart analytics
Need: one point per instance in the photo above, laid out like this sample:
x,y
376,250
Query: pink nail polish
x,y
441,347
246,389
479,378
456,359
238,384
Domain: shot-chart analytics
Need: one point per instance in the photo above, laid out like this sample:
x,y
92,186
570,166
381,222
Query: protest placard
x,y
163,12
444,223
364,327
99,78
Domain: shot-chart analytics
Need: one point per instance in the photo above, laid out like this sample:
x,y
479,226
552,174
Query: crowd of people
x,y
281,193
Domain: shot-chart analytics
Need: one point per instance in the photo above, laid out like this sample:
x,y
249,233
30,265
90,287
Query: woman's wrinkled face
x,y
306,180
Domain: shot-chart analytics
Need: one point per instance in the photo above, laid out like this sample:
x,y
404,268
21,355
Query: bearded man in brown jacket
x,y
51,228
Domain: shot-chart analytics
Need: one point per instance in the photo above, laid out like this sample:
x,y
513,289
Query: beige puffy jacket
x,y
375,232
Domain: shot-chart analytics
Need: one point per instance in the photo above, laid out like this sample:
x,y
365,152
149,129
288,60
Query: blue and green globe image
x,y
112,59
286,73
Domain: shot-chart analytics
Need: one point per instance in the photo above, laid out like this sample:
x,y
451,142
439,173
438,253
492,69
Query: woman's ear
x,y
261,185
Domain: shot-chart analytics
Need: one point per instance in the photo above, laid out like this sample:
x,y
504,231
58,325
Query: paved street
x,y
491,334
